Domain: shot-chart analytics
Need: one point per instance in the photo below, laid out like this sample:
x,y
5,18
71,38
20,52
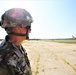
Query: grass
x,y
67,41
37,65
1,39
73,67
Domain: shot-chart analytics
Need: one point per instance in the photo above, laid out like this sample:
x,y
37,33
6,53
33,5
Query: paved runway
x,y
51,58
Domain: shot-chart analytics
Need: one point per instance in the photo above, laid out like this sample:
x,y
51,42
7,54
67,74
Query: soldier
x,y
13,57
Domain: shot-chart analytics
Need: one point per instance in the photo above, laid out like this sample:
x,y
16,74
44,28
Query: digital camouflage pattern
x,y
13,59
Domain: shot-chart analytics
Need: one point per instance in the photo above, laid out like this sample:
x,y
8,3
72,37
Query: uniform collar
x,y
7,39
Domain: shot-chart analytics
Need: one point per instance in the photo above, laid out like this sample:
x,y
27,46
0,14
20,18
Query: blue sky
x,y
52,18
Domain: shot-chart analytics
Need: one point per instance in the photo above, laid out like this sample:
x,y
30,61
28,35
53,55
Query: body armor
x,y
13,59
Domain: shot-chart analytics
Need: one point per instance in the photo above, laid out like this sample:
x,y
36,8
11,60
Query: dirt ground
x,y
51,58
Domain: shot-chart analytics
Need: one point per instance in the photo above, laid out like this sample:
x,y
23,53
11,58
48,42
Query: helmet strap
x,y
17,34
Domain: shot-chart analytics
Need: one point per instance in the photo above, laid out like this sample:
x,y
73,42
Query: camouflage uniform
x,y
13,59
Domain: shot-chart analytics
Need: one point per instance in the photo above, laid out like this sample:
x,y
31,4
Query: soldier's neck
x,y
16,39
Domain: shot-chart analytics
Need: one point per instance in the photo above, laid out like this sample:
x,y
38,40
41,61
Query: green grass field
x,y
65,41
68,41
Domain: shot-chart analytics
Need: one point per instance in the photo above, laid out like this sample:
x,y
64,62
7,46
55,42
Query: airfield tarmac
x,y
51,58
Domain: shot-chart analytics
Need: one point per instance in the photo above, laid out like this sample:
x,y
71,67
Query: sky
x,y
52,18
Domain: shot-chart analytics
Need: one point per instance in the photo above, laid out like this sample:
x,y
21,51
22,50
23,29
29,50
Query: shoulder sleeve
x,y
3,70
3,46
3,49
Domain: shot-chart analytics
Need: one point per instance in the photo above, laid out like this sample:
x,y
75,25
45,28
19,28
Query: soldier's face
x,y
21,30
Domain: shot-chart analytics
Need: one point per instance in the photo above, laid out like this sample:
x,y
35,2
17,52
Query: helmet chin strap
x,y
18,34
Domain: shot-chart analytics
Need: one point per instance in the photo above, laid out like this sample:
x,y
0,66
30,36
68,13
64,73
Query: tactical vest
x,y
13,59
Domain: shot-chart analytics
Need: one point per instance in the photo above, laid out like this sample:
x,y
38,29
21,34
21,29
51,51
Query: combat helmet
x,y
16,17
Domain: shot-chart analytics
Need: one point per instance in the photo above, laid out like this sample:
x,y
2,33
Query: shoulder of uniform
x,y
4,49
3,46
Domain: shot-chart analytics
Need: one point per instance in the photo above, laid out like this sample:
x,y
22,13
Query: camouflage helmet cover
x,y
16,17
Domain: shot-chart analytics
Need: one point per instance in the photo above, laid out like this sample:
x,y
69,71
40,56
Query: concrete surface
x,y
51,58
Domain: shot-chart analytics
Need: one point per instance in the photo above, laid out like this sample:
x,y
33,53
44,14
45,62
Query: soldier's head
x,y
17,21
